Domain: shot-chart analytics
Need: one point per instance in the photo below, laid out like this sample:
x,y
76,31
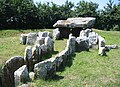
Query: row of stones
x,y
18,68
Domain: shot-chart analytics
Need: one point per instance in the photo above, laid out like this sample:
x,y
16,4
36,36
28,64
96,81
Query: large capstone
x,y
21,75
31,38
84,22
8,70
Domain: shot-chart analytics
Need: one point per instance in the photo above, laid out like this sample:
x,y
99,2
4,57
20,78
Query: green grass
x,y
85,69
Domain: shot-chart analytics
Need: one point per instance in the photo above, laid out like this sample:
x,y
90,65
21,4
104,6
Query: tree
x,y
86,9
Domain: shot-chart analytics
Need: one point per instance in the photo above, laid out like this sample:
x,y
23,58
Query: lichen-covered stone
x,y
21,75
8,69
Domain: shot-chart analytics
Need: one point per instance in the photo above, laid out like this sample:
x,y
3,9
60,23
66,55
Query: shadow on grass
x,y
48,55
67,62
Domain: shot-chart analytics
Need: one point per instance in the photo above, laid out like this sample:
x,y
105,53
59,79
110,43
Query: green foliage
x,y
25,14
86,9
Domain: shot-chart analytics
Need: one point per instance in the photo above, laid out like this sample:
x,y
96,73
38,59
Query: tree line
x,y
25,14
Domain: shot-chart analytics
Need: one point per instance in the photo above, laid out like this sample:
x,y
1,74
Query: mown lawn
x,y
88,69
85,69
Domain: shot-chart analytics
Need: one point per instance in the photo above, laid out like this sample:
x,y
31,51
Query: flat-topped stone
x,y
78,22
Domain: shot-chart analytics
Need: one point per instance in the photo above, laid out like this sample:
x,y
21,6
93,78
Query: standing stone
x,y
45,69
45,34
93,39
102,51
40,40
49,44
82,44
87,31
44,49
83,34
58,61
23,38
8,69
36,53
31,38
56,34
101,41
28,58
21,75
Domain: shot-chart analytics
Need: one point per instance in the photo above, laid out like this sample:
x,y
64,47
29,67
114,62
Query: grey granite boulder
x,y
23,38
21,75
31,38
45,69
49,43
77,22
8,69
82,44
28,58
56,34
45,34
36,53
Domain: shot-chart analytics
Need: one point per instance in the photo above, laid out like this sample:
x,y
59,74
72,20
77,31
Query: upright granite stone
x,y
28,58
49,43
45,34
101,41
40,40
102,49
56,34
93,39
45,69
23,38
31,38
8,69
21,75
82,44
44,49
36,53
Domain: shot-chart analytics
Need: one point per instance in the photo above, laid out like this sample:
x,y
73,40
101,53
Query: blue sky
x,y
59,2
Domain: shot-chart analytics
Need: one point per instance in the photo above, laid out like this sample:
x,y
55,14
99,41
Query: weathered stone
x,y
111,46
28,58
36,53
83,34
82,44
102,51
75,22
45,34
56,34
32,76
45,69
21,75
43,49
93,38
23,38
49,44
101,41
31,38
40,40
8,69
58,61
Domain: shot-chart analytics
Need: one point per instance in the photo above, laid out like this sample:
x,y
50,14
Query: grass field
x,y
85,69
